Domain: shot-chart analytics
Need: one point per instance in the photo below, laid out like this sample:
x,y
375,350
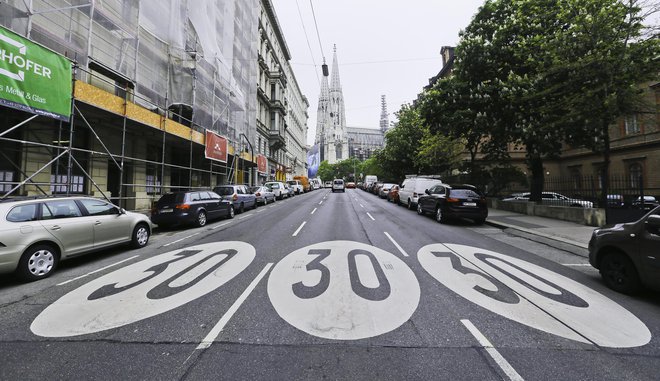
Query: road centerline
x,y
492,352
396,244
299,228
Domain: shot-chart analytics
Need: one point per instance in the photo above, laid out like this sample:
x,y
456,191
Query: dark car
x,y
646,203
628,255
239,195
193,207
454,201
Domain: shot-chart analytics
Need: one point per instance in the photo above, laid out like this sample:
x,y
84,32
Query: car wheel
x,y
201,219
241,208
265,200
37,262
439,217
420,211
619,273
140,236
231,212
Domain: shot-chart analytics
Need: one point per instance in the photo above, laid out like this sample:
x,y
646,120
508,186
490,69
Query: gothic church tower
x,y
331,118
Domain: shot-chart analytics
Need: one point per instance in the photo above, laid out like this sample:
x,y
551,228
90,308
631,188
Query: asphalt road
x,y
328,285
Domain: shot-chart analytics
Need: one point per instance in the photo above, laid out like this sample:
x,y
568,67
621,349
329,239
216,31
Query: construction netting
x,y
196,59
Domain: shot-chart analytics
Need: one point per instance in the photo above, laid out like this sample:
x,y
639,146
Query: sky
x,y
384,47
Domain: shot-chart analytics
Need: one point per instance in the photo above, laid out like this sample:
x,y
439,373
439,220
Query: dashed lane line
x,y
299,228
95,271
396,244
313,211
492,352
179,240
373,219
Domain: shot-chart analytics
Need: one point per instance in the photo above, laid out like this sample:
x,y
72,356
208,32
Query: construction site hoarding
x,y
33,78
216,147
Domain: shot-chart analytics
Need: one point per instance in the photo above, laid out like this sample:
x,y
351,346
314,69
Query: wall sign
x,y
215,147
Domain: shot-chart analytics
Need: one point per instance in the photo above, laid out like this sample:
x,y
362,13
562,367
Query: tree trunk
x,y
605,181
536,166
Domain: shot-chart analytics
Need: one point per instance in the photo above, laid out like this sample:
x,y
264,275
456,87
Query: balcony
x,y
278,105
276,140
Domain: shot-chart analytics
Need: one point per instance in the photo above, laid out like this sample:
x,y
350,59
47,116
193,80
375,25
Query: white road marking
x,y
95,271
244,217
576,264
494,354
373,219
215,332
298,230
179,240
313,211
221,225
320,202
396,244
362,206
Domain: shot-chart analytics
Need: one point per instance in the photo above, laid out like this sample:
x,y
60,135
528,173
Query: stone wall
x,y
584,216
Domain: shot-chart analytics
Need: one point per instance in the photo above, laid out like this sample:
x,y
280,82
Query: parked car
x,y
305,182
278,188
327,184
296,186
191,207
375,187
263,194
627,254
554,199
239,195
649,203
453,201
338,185
393,194
413,187
385,190
615,201
36,233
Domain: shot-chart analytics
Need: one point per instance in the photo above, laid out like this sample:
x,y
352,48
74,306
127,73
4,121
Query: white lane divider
x,y
299,228
362,206
373,219
396,244
215,332
221,225
320,202
494,354
576,264
95,271
246,216
179,240
313,211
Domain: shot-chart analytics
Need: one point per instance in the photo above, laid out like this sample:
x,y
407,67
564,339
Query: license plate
x,y
166,210
470,204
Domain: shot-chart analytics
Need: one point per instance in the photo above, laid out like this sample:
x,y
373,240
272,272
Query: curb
x,y
577,248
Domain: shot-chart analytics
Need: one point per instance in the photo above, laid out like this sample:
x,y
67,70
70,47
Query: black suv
x,y
628,255
193,207
446,201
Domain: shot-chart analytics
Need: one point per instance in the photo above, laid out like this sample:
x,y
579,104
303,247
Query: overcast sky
x,y
384,47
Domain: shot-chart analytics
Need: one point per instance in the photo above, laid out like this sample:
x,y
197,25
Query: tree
x,y
437,153
403,142
326,171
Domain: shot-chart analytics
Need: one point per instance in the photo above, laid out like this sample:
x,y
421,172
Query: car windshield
x,y
224,191
171,198
463,193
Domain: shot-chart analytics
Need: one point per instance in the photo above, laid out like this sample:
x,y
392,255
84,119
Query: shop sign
x,y
216,147
262,164
33,78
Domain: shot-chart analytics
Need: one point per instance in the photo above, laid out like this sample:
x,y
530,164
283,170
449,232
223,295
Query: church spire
x,y
336,83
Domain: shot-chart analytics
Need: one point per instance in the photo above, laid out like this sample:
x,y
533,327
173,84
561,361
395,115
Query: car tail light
x,y
235,197
183,206
258,194
414,194
451,199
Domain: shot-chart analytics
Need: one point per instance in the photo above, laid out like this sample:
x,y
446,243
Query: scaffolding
x,y
155,89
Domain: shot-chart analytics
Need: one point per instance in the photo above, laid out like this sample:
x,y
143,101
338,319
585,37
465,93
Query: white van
x,y
413,187
369,179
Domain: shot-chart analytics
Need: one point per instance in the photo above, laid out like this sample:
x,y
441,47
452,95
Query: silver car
x,y
279,188
36,233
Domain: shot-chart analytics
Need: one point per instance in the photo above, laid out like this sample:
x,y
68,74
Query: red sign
x,y
216,147
262,163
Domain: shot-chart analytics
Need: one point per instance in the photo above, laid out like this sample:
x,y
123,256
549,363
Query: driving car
x,y
239,195
447,201
338,185
350,185
627,254
190,208
327,184
37,233
278,188
263,194
648,203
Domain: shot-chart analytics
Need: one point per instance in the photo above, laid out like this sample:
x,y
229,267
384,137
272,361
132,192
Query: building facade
x,y
155,106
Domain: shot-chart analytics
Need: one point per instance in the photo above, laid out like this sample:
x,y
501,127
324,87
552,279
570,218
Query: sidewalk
x,y
562,235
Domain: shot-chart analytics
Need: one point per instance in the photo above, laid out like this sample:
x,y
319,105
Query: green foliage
x,y
398,158
326,171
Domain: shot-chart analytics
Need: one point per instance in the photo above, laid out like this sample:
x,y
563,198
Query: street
x,y
328,285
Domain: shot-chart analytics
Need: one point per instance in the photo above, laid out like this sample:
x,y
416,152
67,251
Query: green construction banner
x,y
33,78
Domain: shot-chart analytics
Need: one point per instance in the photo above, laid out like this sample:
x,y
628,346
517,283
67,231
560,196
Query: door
x,y
110,227
210,205
64,220
650,248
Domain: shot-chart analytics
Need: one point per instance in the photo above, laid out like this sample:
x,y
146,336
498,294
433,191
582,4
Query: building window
x,y
631,125
6,177
153,184
60,182
635,175
576,179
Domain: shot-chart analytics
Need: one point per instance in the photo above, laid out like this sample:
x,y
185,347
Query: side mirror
x,y
122,211
427,192
653,220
